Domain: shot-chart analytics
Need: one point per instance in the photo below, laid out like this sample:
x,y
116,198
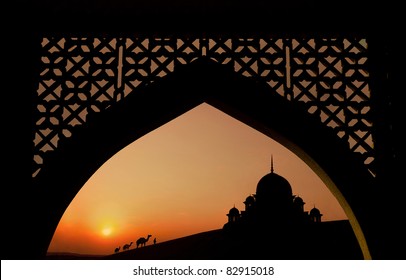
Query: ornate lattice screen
x,y
79,76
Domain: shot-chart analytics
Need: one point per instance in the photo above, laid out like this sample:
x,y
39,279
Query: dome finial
x,y
271,163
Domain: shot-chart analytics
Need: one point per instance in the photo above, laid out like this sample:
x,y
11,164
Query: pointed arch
x,y
252,102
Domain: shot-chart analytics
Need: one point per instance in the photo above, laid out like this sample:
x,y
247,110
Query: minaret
x,y
271,163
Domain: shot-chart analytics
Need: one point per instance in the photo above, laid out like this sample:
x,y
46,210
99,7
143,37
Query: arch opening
x,y
224,90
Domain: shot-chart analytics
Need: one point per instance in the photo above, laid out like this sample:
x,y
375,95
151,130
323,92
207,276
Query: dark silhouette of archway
x,y
78,158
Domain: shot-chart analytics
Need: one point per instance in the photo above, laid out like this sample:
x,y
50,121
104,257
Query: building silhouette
x,y
273,204
278,226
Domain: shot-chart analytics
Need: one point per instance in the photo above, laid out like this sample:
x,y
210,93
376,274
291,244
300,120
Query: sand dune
x,y
332,240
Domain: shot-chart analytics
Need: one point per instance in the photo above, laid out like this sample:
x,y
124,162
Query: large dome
x,y
275,187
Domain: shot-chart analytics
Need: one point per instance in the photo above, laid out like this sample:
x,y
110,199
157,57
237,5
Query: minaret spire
x,y
271,163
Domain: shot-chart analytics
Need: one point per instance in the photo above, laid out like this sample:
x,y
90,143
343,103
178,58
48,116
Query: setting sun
x,y
107,231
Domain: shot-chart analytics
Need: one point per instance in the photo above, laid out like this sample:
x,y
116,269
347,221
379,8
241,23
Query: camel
x,y
117,249
142,241
127,246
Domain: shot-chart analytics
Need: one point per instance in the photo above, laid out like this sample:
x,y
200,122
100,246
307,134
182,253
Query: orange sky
x,y
181,179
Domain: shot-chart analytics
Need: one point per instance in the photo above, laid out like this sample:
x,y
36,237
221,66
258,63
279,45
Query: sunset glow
x,y
181,179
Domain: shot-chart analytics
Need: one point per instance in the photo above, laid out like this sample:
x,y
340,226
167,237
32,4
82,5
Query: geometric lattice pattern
x,y
87,75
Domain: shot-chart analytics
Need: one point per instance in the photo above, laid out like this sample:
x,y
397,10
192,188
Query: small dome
x,y
315,212
249,200
298,200
234,212
274,186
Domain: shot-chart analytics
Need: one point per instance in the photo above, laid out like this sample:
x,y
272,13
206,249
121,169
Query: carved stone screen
x,y
82,76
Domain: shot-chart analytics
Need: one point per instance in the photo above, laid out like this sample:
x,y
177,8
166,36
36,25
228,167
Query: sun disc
x,y
107,231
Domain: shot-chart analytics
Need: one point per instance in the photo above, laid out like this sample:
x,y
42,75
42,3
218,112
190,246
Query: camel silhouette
x,y
117,249
142,241
127,246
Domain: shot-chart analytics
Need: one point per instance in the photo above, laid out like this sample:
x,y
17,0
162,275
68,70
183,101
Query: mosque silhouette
x,y
273,204
275,225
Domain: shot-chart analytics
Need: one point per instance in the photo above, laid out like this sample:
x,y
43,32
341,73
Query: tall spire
x,y
271,163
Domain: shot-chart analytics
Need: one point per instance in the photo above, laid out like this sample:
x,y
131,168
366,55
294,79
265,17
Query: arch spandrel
x,y
84,75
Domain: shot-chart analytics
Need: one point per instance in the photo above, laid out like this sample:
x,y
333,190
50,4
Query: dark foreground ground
x,y
330,241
